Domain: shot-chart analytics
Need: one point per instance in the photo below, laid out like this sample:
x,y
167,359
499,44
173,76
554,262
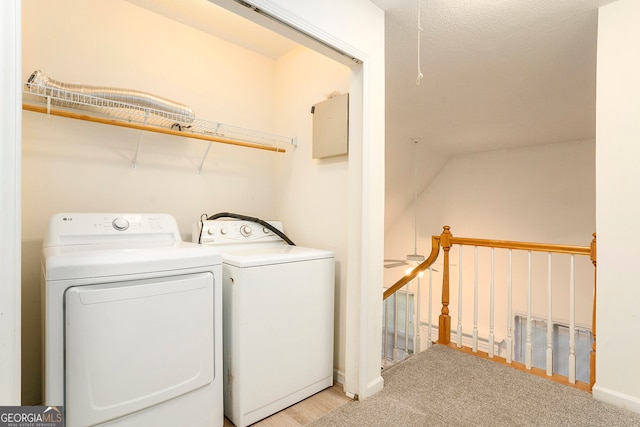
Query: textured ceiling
x,y
497,74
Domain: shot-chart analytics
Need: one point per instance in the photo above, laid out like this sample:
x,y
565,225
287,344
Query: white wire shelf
x,y
81,106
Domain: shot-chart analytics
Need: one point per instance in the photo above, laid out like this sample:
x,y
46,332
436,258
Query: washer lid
x,y
124,258
254,255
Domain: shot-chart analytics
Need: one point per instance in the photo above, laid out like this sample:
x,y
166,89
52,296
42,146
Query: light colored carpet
x,y
445,387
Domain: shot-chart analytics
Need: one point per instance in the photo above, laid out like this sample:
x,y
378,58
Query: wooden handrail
x,y
156,129
526,246
435,250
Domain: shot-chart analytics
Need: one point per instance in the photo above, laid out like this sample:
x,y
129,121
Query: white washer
x,y
132,322
278,304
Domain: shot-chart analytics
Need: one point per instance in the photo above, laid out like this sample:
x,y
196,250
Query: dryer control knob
x,y
120,224
245,230
210,231
265,230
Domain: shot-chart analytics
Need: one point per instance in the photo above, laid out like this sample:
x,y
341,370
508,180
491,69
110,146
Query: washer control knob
x,y
223,231
120,224
210,231
265,230
245,230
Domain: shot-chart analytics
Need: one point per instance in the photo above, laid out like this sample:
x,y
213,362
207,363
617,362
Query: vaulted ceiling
x,y
497,74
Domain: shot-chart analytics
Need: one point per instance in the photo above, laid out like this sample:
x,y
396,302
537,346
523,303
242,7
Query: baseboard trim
x,y
338,376
467,340
616,398
373,387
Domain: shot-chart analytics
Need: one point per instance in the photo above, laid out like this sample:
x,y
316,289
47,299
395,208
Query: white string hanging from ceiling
x,y
420,75
415,258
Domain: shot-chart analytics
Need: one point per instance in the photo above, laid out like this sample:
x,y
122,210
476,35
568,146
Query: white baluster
x,y
459,330
509,339
406,321
474,344
572,325
549,321
417,322
396,354
429,310
385,342
528,348
491,308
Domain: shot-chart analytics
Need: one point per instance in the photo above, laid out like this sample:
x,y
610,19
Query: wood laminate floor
x,y
306,411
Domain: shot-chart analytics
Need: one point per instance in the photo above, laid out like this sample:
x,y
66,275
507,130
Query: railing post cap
x,y
444,238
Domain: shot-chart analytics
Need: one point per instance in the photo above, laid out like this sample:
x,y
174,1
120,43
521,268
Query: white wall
x,y
10,124
121,45
77,166
305,186
538,194
617,207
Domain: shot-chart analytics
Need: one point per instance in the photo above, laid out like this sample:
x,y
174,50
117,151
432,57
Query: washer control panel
x,y
222,231
91,228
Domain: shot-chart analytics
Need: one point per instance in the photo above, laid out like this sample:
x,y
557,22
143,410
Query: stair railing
x,y
446,241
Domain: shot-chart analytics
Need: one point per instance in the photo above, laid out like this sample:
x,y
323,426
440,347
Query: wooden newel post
x,y
444,324
592,356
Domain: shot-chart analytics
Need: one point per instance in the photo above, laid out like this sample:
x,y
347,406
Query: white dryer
x,y
278,311
131,322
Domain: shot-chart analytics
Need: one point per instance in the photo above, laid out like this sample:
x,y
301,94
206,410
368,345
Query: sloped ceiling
x,y
221,23
497,74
